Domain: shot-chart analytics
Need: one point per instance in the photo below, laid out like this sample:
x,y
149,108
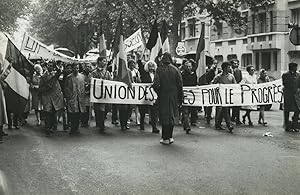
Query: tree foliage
x,y
10,11
71,23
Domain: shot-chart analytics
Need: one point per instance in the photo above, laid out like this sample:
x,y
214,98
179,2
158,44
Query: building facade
x,y
265,43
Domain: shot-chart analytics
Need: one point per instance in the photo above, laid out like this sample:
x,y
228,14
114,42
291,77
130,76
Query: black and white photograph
x,y
137,97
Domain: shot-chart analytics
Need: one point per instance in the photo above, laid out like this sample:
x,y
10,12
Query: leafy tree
x,y
10,11
72,23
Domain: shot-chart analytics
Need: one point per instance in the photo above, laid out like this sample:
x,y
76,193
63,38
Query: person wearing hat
x,y
168,86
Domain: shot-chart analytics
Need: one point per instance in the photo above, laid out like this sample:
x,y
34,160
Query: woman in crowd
x,y
249,78
136,77
148,77
263,78
36,99
168,86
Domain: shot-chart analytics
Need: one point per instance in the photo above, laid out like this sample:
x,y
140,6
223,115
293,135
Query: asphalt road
x,y
133,162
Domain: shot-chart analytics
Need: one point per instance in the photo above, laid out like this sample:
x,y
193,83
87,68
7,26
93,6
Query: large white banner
x,y
34,49
104,91
134,41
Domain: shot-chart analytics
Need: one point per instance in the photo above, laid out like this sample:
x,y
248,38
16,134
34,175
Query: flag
x,y
200,57
102,43
164,38
17,90
120,57
154,43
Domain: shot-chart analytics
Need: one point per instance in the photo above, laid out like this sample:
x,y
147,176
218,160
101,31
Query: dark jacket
x,y
291,84
168,86
189,78
237,73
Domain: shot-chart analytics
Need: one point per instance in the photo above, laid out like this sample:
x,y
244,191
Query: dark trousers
x,y
12,120
114,112
85,116
236,113
100,118
167,131
74,120
208,111
50,120
222,112
186,111
194,114
294,120
123,115
153,115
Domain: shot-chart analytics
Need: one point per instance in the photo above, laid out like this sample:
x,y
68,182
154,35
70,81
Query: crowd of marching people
x,y
60,92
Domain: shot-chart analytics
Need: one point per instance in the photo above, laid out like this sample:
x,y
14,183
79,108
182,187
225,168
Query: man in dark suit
x,y
237,73
291,82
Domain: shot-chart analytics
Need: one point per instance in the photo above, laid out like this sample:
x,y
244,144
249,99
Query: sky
x,y
18,35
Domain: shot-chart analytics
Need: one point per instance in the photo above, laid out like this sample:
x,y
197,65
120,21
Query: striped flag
x,y
120,56
164,38
200,56
102,43
154,43
17,90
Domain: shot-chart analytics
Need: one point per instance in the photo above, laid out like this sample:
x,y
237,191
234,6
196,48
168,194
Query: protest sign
x,y
34,49
103,91
113,92
134,41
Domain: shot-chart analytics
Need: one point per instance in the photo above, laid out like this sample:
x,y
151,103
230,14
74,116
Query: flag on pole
x,y
120,57
200,56
154,43
102,43
164,38
17,90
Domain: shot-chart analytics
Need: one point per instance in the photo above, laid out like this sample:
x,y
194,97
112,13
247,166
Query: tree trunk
x,y
177,15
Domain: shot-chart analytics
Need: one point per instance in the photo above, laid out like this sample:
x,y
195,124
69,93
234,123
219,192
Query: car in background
x,y
65,51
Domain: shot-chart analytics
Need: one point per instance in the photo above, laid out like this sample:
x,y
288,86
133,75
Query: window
x,y
295,16
246,59
266,60
218,44
245,41
231,57
253,24
232,42
257,61
275,60
192,27
271,21
182,31
261,38
219,58
262,27
270,38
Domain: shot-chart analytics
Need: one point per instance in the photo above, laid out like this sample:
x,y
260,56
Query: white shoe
x,y
171,140
164,142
